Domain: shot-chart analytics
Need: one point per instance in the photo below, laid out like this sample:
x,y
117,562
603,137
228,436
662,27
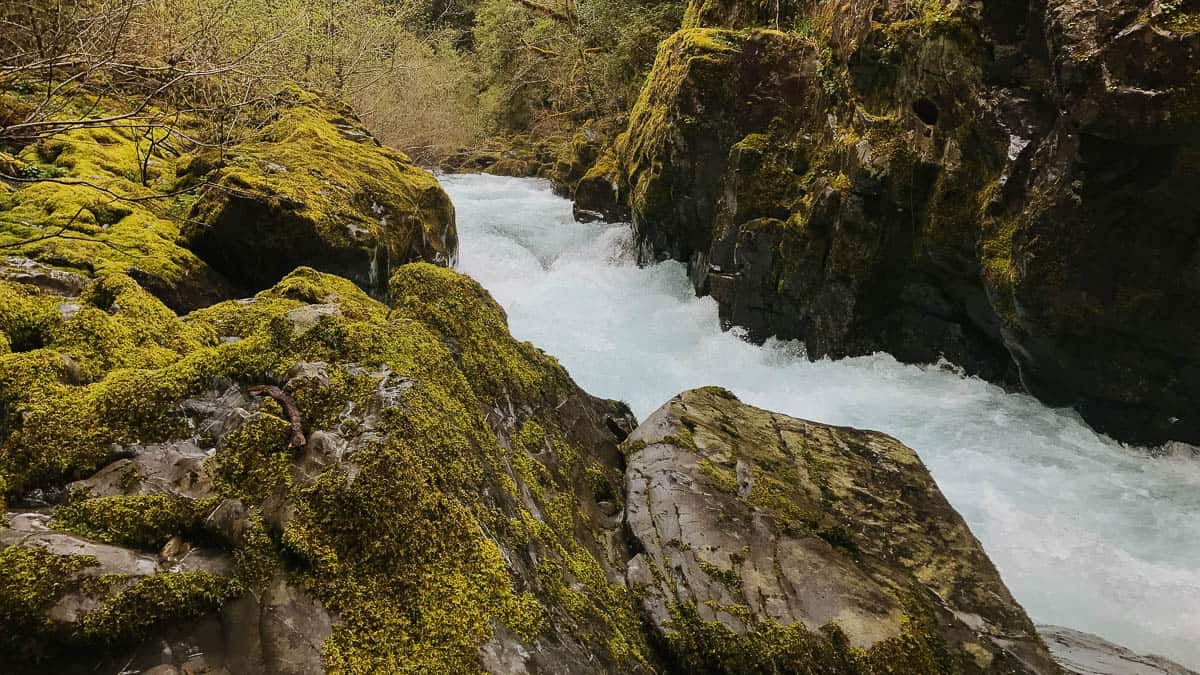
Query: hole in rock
x,y
926,111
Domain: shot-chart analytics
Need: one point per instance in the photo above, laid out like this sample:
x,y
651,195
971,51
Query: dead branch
x,y
289,408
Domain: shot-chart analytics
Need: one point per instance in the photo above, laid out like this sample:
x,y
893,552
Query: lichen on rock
x,y
771,544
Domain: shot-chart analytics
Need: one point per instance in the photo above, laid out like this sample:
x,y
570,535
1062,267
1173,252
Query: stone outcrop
x,y
310,480
772,544
454,500
1010,187
315,188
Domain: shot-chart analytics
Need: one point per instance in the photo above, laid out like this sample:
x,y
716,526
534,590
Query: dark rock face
x,y
1010,187
759,533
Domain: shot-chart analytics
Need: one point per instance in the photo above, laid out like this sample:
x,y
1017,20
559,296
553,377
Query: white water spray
x,y
1085,532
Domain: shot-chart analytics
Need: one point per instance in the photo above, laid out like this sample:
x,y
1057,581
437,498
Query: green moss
x,y
106,203
120,325
27,320
31,581
404,541
1179,16
690,55
767,647
254,460
731,578
708,646
142,521
460,309
315,189
154,601
722,477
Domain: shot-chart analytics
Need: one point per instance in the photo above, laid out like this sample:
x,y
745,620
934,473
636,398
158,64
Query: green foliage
x,y
587,63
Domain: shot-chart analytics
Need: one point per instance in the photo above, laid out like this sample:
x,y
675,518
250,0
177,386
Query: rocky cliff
x,y
1010,186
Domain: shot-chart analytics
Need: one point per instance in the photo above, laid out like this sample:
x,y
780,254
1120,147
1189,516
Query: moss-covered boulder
x,y
707,88
316,189
771,544
92,201
599,194
445,496
968,181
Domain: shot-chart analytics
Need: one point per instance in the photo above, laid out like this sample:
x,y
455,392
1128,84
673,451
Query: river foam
x,y
1085,532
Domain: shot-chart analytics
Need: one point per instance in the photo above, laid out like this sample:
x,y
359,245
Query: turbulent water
x,y
1085,532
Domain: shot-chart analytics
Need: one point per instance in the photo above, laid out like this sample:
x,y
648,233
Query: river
x,y
1087,533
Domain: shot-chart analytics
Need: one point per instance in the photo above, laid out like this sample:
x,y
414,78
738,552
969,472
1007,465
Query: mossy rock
x,y
93,204
316,189
867,180
705,91
772,544
484,480
599,194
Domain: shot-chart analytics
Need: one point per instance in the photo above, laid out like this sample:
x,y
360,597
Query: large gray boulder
x,y
772,544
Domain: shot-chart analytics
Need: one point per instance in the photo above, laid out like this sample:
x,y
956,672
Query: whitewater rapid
x,y
1085,532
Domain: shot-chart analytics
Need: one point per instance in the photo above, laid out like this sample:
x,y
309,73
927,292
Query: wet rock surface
x,y
1084,654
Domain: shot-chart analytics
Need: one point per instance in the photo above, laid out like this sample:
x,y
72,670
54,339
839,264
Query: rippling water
x,y
1085,532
